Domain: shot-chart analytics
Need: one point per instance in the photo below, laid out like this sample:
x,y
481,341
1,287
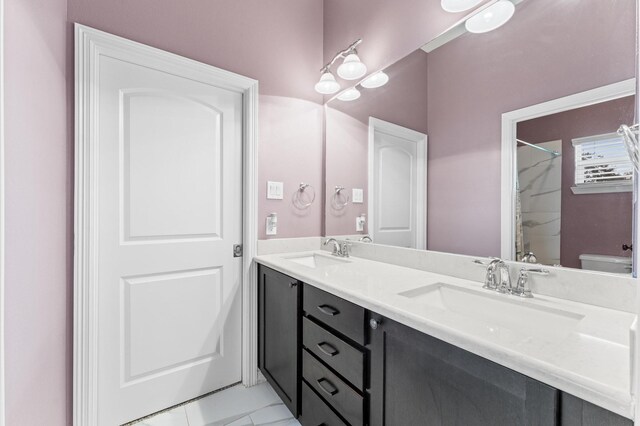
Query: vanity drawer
x,y
345,400
337,313
335,352
315,412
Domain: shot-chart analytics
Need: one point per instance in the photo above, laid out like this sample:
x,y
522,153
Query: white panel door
x,y
398,190
170,211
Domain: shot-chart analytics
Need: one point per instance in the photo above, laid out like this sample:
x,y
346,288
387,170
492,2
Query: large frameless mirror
x,y
500,143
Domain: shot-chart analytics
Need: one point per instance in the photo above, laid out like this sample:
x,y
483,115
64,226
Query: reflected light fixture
x,y
349,95
327,84
454,6
376,80
491,18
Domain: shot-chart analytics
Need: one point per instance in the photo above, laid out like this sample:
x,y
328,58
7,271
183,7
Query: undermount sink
x,y
497,314
316,261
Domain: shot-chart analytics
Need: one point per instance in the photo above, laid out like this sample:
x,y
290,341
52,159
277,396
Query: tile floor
x,y
236,406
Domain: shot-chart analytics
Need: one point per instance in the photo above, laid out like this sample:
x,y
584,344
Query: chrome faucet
x,y
340,250
337,251
497,276
366,239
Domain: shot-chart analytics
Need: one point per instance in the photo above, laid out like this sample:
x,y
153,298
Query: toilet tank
x,y
604,263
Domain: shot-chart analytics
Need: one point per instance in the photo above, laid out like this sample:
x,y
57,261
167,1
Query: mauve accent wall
x,y
590,223
474,79
250,37
39,206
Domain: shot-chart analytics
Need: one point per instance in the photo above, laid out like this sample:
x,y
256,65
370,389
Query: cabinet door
x,y
419,380
279,334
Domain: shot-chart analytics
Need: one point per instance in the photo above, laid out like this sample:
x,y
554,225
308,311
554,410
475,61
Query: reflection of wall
x,y
474,79
591,223
402,101
346,153
540,182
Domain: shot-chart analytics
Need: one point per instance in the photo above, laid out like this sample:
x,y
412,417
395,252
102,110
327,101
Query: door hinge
x,y
237,250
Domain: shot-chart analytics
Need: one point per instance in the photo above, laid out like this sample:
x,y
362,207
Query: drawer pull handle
x,y
327,388
328,349
328,310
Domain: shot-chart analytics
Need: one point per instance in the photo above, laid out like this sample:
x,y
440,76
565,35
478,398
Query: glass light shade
x,y
491,18
349,95
378,79
327,84
352,68
454,6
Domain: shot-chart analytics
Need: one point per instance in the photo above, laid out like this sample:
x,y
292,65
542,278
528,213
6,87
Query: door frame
x,y
2,228
509,165
90,44
375,124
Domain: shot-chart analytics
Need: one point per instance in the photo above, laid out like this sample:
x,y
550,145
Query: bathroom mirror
x,y
420,162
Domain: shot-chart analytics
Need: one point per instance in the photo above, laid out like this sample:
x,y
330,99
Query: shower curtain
x,y
519,230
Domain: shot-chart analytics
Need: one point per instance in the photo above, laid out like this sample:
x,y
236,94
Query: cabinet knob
x,y
374,323
293,284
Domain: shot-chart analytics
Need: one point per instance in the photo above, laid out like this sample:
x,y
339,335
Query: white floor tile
x,y
270,415
175,417
245,421
230,404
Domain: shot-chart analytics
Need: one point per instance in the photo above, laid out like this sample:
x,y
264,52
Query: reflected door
x,y
397,179
170,209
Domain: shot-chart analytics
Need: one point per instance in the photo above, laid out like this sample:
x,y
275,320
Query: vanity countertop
x,y
581,349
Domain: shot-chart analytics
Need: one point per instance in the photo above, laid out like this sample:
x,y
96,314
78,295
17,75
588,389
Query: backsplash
x,y
593,288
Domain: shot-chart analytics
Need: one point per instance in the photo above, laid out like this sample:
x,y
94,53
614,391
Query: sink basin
x,y
316,261
497,314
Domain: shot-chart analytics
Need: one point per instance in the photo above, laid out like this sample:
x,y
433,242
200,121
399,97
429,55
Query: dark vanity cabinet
x,y
419,380
334,364
279,303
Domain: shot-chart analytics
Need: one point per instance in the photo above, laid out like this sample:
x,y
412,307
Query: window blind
x,y
601,159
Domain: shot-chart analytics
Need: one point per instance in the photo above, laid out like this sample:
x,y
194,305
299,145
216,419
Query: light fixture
x,y
349,95
378,79
454,6
491,18
352,68
327,84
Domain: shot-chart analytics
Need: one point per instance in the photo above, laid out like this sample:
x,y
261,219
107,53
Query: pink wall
x,y
590,223
38,214
402,101
250,37
476,78
291,152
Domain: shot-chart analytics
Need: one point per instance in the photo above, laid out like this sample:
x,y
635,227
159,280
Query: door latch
x,y
237,250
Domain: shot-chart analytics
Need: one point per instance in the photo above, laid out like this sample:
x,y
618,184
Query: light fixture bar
x,y
342,54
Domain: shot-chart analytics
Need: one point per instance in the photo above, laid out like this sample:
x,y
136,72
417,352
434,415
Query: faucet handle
x,y
490,281
344,249
522,289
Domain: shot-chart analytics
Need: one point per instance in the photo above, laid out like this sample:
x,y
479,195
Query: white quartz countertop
x,y
591,360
